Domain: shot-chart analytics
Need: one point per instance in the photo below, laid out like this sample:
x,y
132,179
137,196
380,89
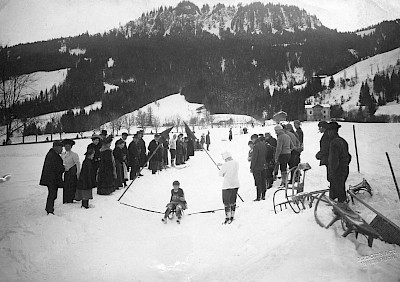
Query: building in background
x,y
318,112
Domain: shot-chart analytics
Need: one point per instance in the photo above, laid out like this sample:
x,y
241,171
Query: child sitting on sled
x,y
177,202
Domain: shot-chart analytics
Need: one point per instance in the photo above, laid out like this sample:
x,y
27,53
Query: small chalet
x,y
280,116
318,112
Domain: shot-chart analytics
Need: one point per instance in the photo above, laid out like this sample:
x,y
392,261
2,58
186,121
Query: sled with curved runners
x,y
351,221
293,192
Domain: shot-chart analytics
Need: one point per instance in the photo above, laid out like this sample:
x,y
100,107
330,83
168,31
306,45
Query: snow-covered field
x,y
114,242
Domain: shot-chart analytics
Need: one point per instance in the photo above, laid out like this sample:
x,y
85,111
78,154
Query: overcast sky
x,y
24,21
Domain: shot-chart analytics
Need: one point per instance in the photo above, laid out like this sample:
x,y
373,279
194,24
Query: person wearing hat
x,y
155,154
103,134
120,158
323,152
230,185
107,174
283,151
51,176
134,155
338,165
258,164
142,151
86,180
72,169
124,137
270,139
172,149
208,140
299,131
95,145
296,150
179,150
177,202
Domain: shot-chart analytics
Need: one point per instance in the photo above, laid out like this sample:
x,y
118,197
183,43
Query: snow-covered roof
x,y
321,105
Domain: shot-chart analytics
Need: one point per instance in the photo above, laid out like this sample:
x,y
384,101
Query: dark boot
x,y
85,204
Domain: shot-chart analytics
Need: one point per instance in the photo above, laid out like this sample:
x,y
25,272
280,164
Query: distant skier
x,y
230,134
230,186
208,140
177,202
203,140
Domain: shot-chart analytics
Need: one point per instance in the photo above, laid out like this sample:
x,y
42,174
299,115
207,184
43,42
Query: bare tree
x,y
128,121
141,119
13,89
156,123
178,121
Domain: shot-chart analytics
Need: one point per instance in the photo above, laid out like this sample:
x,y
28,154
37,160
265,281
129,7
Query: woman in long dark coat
x,y
134,157
120,157
156,153
107,174
87,180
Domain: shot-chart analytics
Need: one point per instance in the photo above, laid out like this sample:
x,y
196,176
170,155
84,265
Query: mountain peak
x,y
253,18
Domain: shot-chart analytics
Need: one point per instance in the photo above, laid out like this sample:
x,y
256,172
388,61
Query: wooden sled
x,y
389,231
294,195
362,186
351,221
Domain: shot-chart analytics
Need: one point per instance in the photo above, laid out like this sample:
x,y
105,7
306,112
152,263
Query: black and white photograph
x,y
202,140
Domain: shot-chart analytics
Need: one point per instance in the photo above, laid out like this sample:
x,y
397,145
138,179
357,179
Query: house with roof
x,y
318,112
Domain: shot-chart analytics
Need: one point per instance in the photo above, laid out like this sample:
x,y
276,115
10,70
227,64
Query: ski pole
x,y
394,177
219,169
151,156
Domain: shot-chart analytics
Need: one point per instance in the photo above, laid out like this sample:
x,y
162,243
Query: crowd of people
x,y
267,155
110,169
105,168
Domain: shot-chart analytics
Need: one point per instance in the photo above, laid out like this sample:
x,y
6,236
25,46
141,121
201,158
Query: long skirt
x,y
70,182
83,194
120,174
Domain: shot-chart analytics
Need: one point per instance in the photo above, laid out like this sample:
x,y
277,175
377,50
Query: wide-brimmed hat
x,y
58,144
95,136
69,142
333,125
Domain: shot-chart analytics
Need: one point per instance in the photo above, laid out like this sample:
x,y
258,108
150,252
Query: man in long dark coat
x,y
258,166
323,153
134,155
155,153
338,164
51,177
142,149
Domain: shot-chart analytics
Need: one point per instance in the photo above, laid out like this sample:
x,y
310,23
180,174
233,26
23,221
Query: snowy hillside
x,y
115,242
174,107
356,75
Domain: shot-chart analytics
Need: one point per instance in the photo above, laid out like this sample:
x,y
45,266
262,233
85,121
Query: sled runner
x,y
362,186
389,231
293,192
351,221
